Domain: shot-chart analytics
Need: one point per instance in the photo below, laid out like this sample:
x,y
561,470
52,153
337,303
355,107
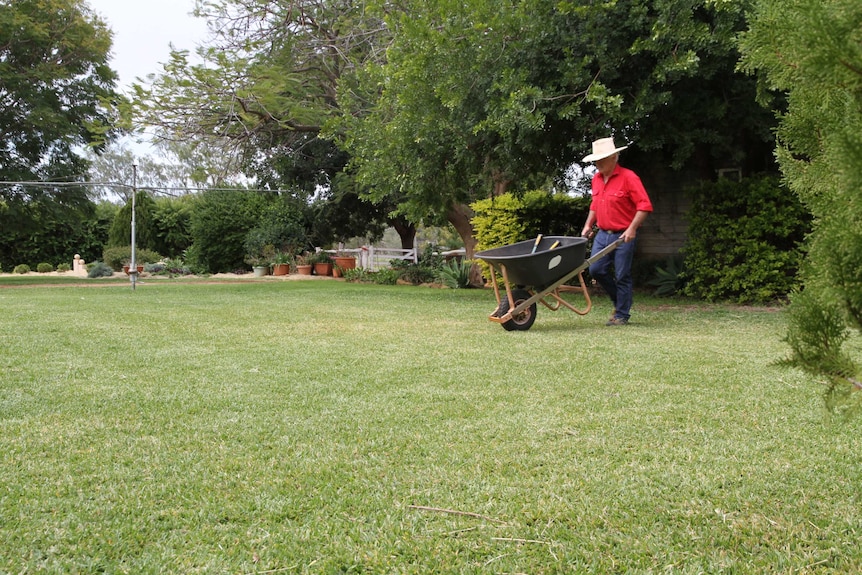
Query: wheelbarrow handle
x,y
608,249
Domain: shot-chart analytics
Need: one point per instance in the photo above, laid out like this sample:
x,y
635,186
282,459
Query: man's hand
x,y
587,232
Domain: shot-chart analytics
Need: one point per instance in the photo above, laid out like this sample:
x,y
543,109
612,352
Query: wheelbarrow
x,y
537,271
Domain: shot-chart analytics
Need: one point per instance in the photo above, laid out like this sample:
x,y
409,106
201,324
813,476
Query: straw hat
x,y
602,149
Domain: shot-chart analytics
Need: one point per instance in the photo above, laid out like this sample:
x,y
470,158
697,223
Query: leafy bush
x,y
425,270
169,267
385,276
145,231
44,268
21,269
100,270
744,241
220,222
117,257
171,223
508,219
455,273
669,280
358,275
63,267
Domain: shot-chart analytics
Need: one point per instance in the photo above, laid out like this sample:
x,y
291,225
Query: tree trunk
x,y
406,231
459,215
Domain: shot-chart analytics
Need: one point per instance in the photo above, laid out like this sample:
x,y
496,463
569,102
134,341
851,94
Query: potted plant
x,y
303,266
260,259
341,262
322,262
281,264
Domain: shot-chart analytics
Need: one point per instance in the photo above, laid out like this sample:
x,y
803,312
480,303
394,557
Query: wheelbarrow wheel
x,y
522,321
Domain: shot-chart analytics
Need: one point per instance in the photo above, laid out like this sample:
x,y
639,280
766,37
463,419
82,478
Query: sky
x,y
143,32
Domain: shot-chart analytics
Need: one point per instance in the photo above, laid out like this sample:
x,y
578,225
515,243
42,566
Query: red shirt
x,y
617,201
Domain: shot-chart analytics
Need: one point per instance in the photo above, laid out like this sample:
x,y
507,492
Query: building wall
x,y
664,232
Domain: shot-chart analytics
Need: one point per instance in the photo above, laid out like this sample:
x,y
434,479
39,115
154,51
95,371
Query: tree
x,y
56,89
479,97
120,233
810,50
120,169
56,96
265,88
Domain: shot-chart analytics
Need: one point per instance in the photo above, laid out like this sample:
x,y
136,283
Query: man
x,y
620,205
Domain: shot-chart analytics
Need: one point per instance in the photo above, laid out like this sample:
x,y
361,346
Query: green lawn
x,y
324,427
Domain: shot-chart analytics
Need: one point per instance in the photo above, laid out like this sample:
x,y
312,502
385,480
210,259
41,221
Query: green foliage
x,y
117,257
497,223
320,257
508,218
455,273
44,268
744,241
171,221
120,233
58,91
229,227
386,276
479,97
668,280
100,270
220,222
57,97
64,267
52,228
816,336
810,50
21,269
168,267
357,275
425,270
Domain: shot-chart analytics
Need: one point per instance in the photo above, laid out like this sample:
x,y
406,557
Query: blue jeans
x,y
617,282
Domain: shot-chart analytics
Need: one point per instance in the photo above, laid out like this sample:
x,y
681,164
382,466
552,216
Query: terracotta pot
x,y
323,269
304,270
126,269
345,262
280,269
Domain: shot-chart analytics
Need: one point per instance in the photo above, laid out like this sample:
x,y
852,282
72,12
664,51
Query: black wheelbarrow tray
x,y
537,271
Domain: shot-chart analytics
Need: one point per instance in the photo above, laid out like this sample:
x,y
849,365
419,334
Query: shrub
x,y
358,275
64,267
171,267
508,219
21,269
385,276
668,280
425,270
145,230
455,273
744,241
117,257
100,270
44,268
